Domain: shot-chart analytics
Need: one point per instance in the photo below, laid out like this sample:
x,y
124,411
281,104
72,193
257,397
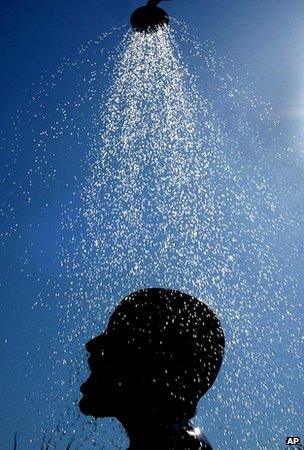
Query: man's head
x,y
160,353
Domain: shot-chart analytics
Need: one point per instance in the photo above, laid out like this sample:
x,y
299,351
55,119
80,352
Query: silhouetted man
x,y
159,355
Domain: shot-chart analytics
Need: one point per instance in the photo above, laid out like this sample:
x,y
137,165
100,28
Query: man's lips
x,y
83,388
89,385
92,362
94,383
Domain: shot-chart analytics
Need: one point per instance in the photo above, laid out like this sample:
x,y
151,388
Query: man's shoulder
x,y
204,443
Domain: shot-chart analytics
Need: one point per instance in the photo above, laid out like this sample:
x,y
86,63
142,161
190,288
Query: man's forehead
x,y
163,310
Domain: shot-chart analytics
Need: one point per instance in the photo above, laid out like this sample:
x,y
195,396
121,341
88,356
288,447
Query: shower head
x,y
149,18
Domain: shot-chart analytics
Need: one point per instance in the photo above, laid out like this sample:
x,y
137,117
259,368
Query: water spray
x,y
149,18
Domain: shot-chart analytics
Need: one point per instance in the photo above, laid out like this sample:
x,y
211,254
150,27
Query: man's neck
x,y
147,435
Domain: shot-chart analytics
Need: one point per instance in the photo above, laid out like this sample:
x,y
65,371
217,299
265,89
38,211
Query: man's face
x,y
117,377
101,388
154,354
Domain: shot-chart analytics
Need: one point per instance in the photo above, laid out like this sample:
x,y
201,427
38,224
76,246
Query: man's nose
x,y
95,344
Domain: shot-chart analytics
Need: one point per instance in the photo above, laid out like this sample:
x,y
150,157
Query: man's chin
x,y
86,407
89,409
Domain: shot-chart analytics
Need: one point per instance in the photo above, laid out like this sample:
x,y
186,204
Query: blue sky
x,y
265,41
267,37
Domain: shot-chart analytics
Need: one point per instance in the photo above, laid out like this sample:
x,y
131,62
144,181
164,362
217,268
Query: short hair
x,y
172,336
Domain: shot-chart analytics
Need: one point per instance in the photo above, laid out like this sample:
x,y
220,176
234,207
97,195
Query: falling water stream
x,y
178,191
